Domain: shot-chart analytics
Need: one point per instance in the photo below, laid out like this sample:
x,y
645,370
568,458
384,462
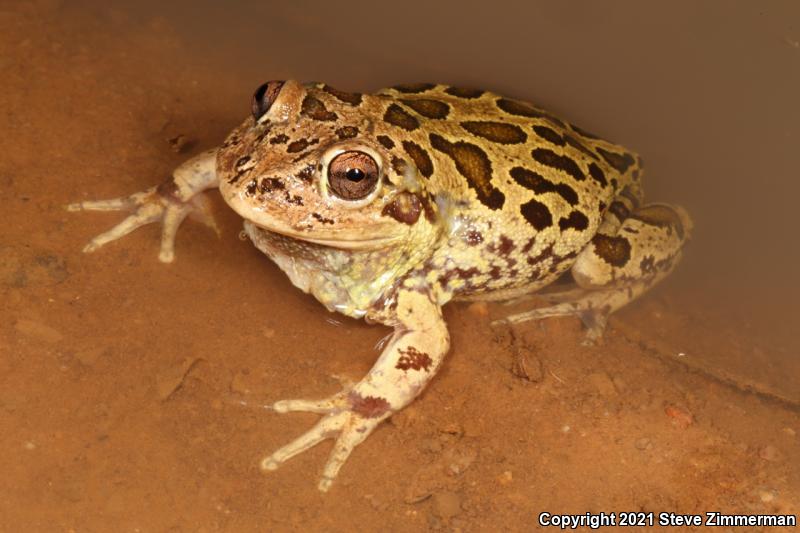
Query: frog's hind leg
x,y
628,256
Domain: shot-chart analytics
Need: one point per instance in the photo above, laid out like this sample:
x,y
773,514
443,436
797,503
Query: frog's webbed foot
x,y
341,422
171,202
405,366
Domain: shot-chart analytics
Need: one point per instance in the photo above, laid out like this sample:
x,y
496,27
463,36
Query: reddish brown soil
x,y
122,380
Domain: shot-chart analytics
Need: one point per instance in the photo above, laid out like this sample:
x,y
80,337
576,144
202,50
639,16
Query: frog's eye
x,y
264,97
353,175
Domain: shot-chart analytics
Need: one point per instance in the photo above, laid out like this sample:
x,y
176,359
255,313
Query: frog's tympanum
x,y
387,206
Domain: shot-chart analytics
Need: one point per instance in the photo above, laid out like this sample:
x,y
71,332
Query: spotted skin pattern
x,y
388,205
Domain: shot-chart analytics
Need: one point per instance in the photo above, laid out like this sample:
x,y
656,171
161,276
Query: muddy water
x,y
122,380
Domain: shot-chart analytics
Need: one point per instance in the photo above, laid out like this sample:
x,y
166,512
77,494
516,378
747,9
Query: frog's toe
x,y
144,215
328,405
349,429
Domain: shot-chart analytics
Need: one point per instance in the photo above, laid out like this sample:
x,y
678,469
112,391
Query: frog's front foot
x,y
349,418
405,366
171,202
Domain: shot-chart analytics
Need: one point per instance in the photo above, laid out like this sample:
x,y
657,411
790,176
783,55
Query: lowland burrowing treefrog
x,y
387,206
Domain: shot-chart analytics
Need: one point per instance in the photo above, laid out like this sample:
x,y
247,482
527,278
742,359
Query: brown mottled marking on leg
x,y
621,162
549,135
413,359
413,88
557,161
537,214
420,157
498,132
368,406
472,163
405,208
648,264
428,108
349,98
347,132
279,139
619,210
576,220
386,142
540,185
314,108
616,251
397,116
661,216
169,189
461,92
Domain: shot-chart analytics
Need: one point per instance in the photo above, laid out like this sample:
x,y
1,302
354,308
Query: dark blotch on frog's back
x,y
397,116
420,157
576,220
349,98
428,108
300,145
597,174
620,162
347,132
313,107
564,163
386,142
549,135
414,88
498,132
541,185
523,109
462,92
537,214
474,165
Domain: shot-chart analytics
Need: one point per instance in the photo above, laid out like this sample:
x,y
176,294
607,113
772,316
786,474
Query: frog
x,y
388,205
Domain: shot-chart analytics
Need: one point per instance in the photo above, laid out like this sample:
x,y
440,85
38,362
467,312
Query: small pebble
x,y
643,444
680,417
505,478
769,453
446,504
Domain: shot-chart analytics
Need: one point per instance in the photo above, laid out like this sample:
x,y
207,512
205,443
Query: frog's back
x,y
521,190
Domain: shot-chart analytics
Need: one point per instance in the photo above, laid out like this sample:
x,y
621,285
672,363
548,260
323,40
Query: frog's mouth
x,y
372,236
339,242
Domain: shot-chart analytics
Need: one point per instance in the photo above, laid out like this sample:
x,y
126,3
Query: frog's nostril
x,y
264,97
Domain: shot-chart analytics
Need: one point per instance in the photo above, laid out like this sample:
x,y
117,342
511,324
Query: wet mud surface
x,y
132,392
